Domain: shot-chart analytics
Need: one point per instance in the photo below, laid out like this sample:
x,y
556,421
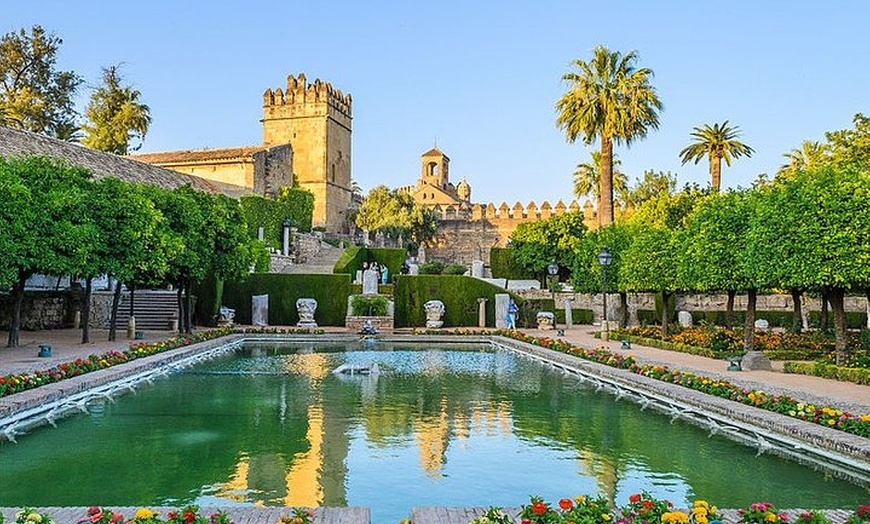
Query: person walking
x,y
512,314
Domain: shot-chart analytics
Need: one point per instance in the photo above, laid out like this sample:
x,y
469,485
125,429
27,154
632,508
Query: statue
x,y
434,312
306,307
546,320
226,316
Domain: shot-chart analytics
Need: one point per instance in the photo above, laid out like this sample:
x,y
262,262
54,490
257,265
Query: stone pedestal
x,y
481,312
502,300
477,268
756,360
546,320
370,282
569,321
684,318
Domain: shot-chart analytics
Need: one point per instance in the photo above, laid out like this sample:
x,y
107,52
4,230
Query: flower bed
x,y
822,415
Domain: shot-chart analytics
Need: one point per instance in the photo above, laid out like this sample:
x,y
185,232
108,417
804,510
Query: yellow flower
x,y
579,499
143,514
34,517
674,517
865,418
606,516
770,517
701,504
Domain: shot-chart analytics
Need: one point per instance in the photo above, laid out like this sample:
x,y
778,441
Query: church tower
x,y
315,119
435,166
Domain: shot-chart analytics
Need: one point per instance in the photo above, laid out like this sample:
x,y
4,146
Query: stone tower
x,y
435,168
315,119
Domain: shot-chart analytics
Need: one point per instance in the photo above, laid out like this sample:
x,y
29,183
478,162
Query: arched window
x,y
433,169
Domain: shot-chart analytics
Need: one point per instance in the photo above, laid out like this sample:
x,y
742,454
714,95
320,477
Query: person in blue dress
x,y
512,314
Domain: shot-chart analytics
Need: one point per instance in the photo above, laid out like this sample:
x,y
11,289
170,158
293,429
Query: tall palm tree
x,y
587,178
810,154
717,143
608,98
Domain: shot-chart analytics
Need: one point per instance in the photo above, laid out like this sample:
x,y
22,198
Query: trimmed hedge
x,y
330,292
295,204
502,265
458,293
353,257
819,369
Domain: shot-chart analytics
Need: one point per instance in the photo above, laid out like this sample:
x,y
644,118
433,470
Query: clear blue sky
x,y
481,77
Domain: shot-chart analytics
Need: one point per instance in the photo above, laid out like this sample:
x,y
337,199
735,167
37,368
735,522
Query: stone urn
x,y
546,320
434,312
306,307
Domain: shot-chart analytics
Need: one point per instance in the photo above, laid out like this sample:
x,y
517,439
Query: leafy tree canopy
x,y
535,244
34,94
396,213
115,116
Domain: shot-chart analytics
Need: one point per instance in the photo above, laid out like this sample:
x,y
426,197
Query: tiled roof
x,y
199,155
15,143
434,152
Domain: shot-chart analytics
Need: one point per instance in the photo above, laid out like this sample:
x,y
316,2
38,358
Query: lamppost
x,y
553,270
604,258
286,237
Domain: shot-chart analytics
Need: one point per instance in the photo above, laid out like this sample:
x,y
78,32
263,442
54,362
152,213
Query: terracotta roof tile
x,y
198,155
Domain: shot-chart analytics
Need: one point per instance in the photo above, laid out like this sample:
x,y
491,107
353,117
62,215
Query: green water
x,y
437,427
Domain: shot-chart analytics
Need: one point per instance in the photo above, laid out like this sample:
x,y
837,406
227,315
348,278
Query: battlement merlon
x,y
299,91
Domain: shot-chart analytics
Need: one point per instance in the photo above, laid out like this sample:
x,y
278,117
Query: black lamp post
x,y
553,270
285,237
604,258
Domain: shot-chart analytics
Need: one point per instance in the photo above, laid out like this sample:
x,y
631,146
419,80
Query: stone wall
x,y
42,309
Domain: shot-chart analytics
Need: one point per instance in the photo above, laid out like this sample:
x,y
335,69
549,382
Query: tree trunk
x,y
188,314
605,183
749,323
824,321
835,295
623,304
715,172
665,296
132,296
86,311
180,294
797,310
113,317
729,309
17,298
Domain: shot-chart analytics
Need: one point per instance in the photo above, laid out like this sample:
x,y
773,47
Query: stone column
x,y
260,233
481,312
501,309
569,321
285,246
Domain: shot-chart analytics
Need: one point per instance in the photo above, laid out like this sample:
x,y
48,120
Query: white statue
x,y
546,320
306,308
226,316
434,312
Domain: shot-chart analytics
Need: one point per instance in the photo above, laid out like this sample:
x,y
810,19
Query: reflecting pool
x,y
458,426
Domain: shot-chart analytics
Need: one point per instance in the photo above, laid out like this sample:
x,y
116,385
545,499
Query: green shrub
x,y
350,261
503,265
454,269
293,203
820,369
458,293
391,258
368,305
330,292
432,268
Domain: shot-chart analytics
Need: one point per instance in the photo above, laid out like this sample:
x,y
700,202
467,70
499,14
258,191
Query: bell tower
x,y
315,119
435,168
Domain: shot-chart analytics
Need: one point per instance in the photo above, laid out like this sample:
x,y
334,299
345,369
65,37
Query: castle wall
x,y
238,172
273,169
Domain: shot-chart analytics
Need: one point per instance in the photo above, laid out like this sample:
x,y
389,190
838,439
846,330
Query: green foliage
x,y
652,186
458,293
716,143
34,95
454,269
330,292
608,98
368,305
503,265
535,244
587,273
258,211
391,258
648,263
395,213
587,175
819,369
350,260
433,267
116,116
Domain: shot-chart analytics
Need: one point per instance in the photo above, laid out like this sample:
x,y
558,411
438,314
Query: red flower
x,y
172,515
116,518
525,521
539,508
566,504
634,499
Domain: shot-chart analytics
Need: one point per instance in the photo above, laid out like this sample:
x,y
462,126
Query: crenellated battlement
x,y
299,91
513,215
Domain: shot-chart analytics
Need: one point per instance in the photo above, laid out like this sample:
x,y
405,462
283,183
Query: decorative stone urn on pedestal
x,y
546,320
306,308
434,312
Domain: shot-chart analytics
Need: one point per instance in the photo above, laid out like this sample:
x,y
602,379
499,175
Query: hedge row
x,y
353,258
820,369
330,292
502,265
458,293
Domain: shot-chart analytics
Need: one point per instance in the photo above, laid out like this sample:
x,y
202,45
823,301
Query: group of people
x,y
382,271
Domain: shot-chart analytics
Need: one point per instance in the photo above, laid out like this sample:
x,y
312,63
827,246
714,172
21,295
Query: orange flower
x,y
539,508
634,499
566,504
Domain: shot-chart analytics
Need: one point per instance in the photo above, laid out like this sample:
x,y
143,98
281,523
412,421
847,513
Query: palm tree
x,y
115,116
716,143
810,154
611,100
586,178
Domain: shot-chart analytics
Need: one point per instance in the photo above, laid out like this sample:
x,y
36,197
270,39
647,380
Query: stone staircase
x,y
153,309
321,262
